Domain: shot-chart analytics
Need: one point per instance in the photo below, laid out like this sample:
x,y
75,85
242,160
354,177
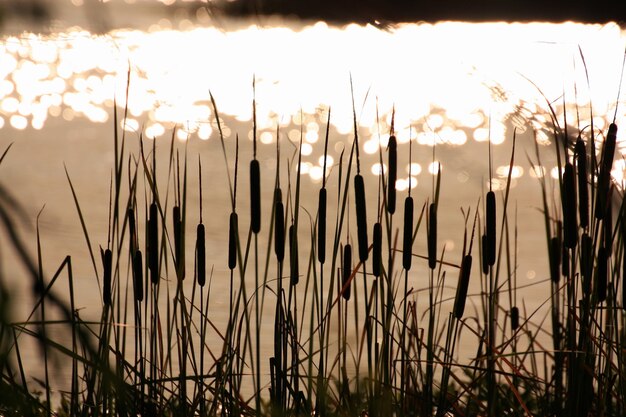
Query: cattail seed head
x,y
432,236
583,192
607,230
485,255
233,230
392,176
279,225
564,261
132,231
407,244
461,291
179,252
604,178
514,318
321,227
346,271
601,274
255,196
555,259
570,226
200,255
293,255
623,280
377,246
107,263
586,262
491,228
361,216
153,244
138,276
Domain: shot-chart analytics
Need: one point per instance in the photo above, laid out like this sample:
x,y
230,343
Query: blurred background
x,y
102,15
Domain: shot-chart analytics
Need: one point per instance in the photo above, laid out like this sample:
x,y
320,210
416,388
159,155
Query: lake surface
x,y
453,85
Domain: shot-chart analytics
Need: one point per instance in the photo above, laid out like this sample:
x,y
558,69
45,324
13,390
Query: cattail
x,y
392,175
279,224
153,244
293,255
607,230
514,318
321,227
255,196
485,255
432,236
604,178
491,228
601,274
555,259
132,231
361,216
586,261
347,271
583,192
623,272
570,229
233,226
564,261
461,290
273,382
377,246
407,244
107,261
623,231
178,242
200,255
138,275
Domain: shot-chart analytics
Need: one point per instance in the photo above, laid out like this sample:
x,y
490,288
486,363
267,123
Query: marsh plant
x,y
337,278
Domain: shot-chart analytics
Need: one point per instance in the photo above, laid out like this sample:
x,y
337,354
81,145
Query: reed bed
x,y
348,334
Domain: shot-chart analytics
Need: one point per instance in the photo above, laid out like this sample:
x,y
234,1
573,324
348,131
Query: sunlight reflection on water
x,y
449,82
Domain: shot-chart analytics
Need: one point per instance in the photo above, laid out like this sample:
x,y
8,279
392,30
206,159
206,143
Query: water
x,y
452,84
